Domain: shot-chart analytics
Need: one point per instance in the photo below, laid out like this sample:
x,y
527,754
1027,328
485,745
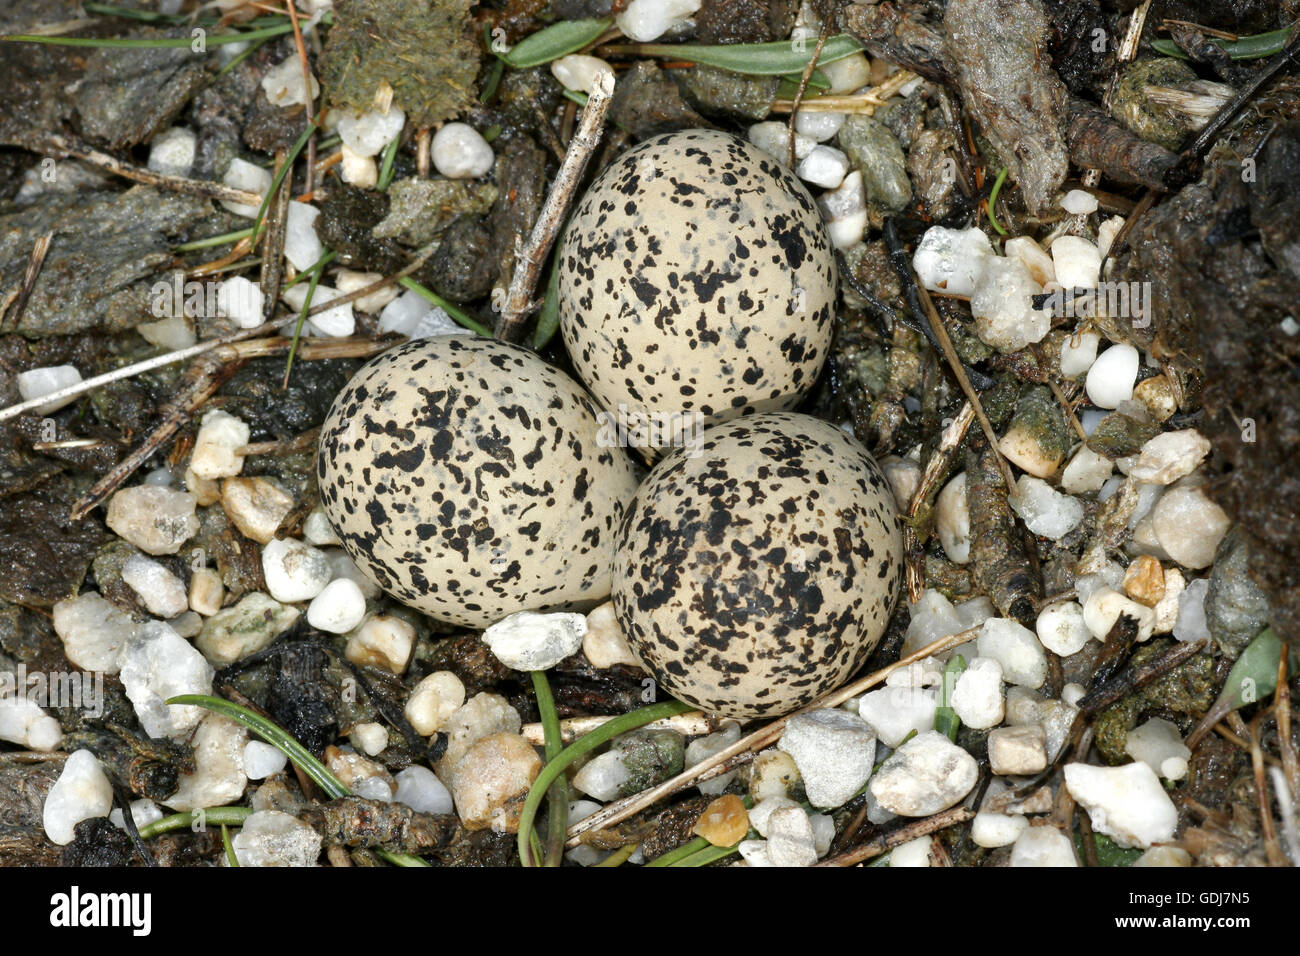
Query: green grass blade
x,y
1247,48
146,43
455,311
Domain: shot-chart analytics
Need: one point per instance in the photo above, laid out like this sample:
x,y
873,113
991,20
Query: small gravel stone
x,y
250,177
206,591
773,774
604,644
261,760
495,771
603,776
348,281
1144,581
338,608
370,738
1061,628
143,813
93,631
1078,353
1155,743
355,170
1033,257
360,774
1111,377
1170,456
317,530
847,75
433,702
578,72
272,838
1003,306
460,152
155,520
1044,510
724,822
529,641
824,166
284,84
844,210
645,20
894,712
158,664
1189,526
1077,262
172,151
912,854
480,716
927,774
1016,648
39,382
702,748
997,829
818,125
369,132
977,697
382,641
1192,622
952,260
1079,202
218,778
952,520
255,506
790,840
834,751
220,436
1126,803
302,246
245,628
82,792
332,323
1018,750
23,722
933,617
162,592
1166,612
772,138
420,789
1026,708
1042,846
1105,606
1164,856
294,570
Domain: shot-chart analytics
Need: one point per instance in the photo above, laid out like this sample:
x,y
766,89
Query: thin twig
x,y
306,89
692,724
866,102
519,300
40,248
803,87
620,810
904,834
375,286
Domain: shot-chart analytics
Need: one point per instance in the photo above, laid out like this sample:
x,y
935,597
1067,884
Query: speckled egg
x,y
756,570
696,280
467,478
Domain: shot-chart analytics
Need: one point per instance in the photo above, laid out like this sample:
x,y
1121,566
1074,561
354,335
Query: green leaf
x,y
548,319
756,59
1247,48
1109,853
1254,676
555,41
945,718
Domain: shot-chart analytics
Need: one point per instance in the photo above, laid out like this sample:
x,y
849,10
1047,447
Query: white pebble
x,y
241,299
703,748
365,134
1042,846
952,260
1033,257
790,840
997,829
1127,804
1061,628
645,20
602,776
1016,648
1164,856
382,641
1078,352
39,382
93,631
220,437
894,712
844,210
952,520
1003,306
1079,202
933,617
23,722
604,644
977,697
824,166
348,281
1111,377
579,73
342,566
143,813
162,592
1105,605
1086,471
1170,456
528,641
338,608
241,174
370,738
834,751
247,627
433,702
818,125
261,760
1189,526
317,530
1166,610
171,152
272,838
218,777
406,314
460,152
294,571
1044,510
773,138
420,789
1019,751
927,774
359,171
158,664
82,792
1192,624
1155,743
302,247
1107,232
1077,262
284,85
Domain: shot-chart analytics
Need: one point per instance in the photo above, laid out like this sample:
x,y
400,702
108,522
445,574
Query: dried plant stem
x,y
803,87
867,101
904,834
519,299
40,248
694,724
622,809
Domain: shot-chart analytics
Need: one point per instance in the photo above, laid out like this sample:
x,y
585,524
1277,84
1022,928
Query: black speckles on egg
x,y
757,570
703,262
466,478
